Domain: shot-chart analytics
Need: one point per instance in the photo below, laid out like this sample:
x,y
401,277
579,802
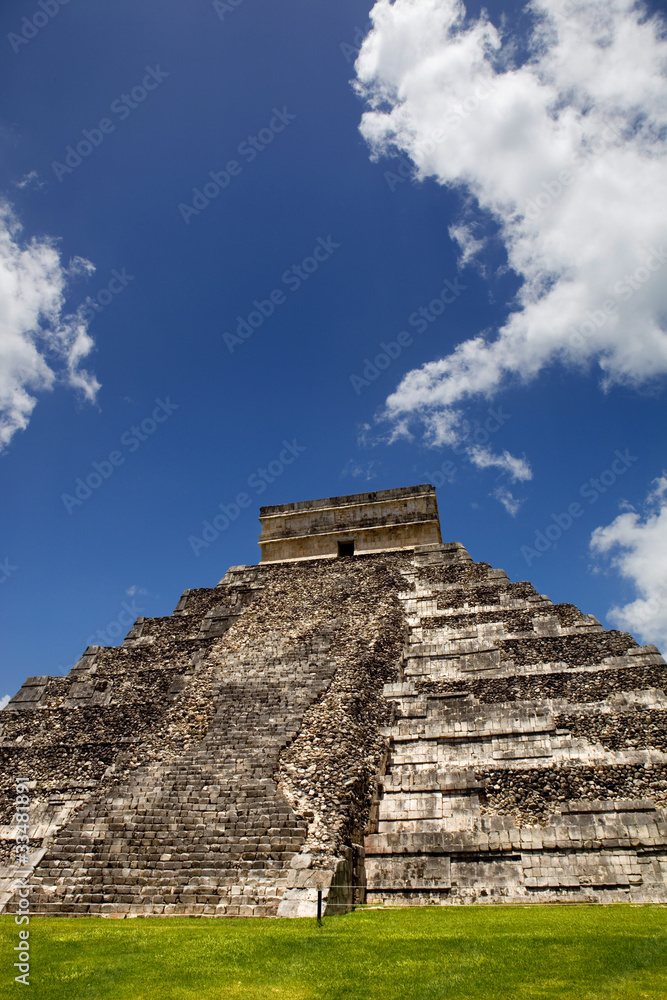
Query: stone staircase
x,y
207,834
157,768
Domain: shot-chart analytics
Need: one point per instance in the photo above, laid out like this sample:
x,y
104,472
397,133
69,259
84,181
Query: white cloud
x,y
30,180
4,701
360,470
509,502
565,152
135,590
39,343
468,245
638,546
517,468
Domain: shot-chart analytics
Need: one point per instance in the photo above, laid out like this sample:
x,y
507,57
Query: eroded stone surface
x,y
527,758
184,771
406,724
387,520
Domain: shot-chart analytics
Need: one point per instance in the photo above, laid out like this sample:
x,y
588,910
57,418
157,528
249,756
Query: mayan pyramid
x,y
368,713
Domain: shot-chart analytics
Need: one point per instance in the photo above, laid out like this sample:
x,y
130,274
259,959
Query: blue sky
x,y
171,376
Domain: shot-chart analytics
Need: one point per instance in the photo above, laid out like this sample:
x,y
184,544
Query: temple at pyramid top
x,y
384,521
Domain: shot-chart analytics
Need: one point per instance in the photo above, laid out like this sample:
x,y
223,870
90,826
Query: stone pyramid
x,y
367,713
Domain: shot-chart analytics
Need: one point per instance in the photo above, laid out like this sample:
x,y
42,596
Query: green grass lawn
x,y
532,953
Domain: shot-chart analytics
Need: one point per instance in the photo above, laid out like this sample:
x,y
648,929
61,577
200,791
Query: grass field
x,y
578,953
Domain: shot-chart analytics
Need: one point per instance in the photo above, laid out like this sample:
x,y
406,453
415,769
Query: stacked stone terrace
x,y
396,725
528,755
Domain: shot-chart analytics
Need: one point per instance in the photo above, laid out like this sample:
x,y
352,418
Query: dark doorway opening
x,y
345,549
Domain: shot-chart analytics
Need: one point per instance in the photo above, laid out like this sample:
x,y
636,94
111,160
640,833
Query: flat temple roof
x,y
351,498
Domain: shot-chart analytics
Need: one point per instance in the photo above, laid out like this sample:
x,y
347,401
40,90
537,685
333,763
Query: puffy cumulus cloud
x,y
39,343
4,701
638,549
565,151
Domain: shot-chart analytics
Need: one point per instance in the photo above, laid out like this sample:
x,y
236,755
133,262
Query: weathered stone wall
x,y
383,521
528,755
